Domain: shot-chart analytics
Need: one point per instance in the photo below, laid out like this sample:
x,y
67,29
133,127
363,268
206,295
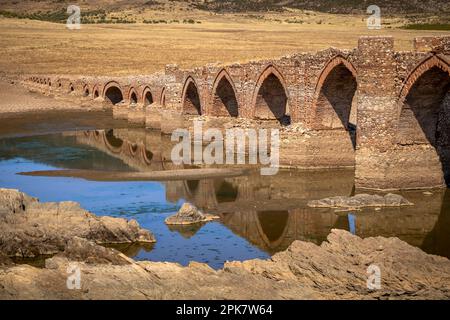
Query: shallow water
x,y
259,216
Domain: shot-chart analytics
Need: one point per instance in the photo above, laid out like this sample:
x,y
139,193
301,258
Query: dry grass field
x,y
29,46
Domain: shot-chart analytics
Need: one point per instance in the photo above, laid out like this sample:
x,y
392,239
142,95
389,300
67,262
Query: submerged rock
x,y
337,269
29,228
361,201
189,214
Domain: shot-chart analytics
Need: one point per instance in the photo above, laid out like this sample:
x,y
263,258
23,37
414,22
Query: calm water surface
x,y
259,216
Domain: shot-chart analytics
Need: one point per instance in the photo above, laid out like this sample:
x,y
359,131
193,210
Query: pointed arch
x,y
112,92
191,104
334,102
424,110
270,97
147,97
95,91
132,96
223,96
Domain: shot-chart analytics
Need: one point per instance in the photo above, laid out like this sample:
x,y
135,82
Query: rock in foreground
x,y
29,228
335,270
189,214
361,201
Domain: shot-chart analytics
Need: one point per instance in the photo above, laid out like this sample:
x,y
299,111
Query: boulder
x,y
189,214
29,228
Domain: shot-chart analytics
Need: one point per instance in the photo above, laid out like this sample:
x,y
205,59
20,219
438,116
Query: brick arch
x,y
223,96
190,99
334,103
115,95
424,113
96,91
270,98
132,96
422,67
147,96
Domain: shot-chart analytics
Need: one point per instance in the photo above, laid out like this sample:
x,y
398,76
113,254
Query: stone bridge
x,y
384,112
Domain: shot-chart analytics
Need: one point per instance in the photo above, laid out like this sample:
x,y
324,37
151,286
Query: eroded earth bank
x,y
71,236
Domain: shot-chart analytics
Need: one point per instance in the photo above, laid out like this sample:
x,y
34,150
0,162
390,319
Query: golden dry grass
x,y
40,47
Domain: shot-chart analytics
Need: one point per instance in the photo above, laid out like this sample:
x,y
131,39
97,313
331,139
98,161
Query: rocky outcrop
x,y
29,228
189,214
335,270
361,201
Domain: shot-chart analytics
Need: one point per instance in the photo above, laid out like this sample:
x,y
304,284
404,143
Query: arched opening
x,y
425,115
114,95
49,84
133,98
191,100
224,101
271,101
71,88
336,103
193,185
273,224
226,192
112,140
86,92
96,94
59,85
148,98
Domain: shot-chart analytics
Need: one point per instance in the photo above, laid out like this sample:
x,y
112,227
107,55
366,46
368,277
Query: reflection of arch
x,y
191,98
133,147
113,92
334,104
223,96
272,226
423,66
147,97
424,109
112,143
226,192
270,98
147,155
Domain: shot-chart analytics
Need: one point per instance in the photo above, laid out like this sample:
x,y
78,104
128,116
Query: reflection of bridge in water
x,y
271,211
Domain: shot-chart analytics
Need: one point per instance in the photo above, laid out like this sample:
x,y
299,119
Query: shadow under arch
x,y
270,98
226,192
223,97
334,105
424,110
272,227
